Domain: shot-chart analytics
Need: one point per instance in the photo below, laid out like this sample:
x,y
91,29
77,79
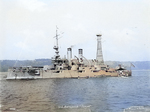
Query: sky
x,y
28,27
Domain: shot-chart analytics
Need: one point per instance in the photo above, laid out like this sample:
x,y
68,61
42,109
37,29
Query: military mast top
x,y
57,56
99,55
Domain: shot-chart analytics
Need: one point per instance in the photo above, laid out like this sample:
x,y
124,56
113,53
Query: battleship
x,y
77,67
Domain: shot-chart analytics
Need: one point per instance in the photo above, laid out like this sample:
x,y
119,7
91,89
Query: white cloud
x,y
22,45
33,5
30,25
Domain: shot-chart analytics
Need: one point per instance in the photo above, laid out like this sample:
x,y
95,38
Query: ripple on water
x,y
112,94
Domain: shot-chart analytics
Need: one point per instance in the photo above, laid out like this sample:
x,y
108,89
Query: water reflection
x,y
69,95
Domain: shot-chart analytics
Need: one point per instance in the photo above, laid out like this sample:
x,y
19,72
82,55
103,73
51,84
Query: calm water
x,y
107,94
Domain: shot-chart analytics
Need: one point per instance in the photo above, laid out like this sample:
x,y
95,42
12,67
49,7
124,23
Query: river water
x,y
105,94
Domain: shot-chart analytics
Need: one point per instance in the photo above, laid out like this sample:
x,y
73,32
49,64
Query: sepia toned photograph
x,y
74,56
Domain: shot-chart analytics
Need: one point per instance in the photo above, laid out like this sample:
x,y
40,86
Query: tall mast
x,y
56,47
56,37
99,56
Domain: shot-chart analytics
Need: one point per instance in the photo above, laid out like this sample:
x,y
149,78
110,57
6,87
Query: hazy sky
x,y
27,28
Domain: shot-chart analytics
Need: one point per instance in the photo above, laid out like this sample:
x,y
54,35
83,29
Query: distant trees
x,y
5,64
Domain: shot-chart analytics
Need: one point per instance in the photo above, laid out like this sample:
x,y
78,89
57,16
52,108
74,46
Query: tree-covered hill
x,y
139,65
5,64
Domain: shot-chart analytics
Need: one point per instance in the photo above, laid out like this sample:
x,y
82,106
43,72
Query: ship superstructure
x,y
77,67
58,63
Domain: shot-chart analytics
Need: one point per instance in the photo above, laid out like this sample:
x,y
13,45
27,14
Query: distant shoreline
x,y
5,64
142,70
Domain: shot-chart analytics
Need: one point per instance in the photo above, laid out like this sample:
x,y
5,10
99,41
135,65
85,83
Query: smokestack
x,y
69,50
80,52
70,53
99,55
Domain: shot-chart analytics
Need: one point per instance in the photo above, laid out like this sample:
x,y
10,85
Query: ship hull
x,y
61,74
